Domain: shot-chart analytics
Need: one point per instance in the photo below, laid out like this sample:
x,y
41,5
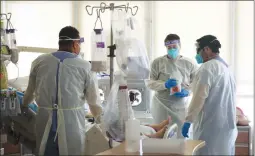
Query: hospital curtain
x,y
38,24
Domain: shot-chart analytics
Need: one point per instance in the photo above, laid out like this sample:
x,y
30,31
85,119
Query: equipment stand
x,y
112,47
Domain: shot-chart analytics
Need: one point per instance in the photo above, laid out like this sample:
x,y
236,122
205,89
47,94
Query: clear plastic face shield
x,y
173,48
80,40
175,44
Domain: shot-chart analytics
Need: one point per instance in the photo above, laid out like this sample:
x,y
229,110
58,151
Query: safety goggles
x,y
174,42
81,40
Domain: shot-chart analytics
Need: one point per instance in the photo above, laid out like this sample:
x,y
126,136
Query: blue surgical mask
x,y
199,59
173,53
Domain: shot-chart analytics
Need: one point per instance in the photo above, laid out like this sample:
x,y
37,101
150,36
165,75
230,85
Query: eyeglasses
x,y
81,40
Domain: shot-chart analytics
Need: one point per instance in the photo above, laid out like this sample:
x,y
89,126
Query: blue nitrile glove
x,y
183,93
32,106
185,129
20,96
170,83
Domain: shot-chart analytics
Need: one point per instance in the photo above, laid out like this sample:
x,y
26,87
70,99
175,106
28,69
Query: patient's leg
x,y
158,127
158,134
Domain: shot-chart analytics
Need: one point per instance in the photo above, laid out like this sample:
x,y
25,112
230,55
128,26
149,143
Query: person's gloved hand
x,y
183,93
185,129
170,83
33,107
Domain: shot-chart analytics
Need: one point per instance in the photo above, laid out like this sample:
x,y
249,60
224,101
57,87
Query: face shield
x,y
173,48
80,40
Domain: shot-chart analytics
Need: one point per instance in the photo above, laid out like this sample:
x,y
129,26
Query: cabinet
x,y
242,146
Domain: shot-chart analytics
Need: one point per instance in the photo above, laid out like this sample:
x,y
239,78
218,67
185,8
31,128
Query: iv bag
x,y
118,109
14,55
12,38
131,56
124,25
118,19
7,37
98,50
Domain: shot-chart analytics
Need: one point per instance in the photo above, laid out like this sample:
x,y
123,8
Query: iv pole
x,y
112,47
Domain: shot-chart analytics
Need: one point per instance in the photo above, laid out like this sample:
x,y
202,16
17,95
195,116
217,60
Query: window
x,y
244,41
191,20
2,7
23,67
244,56
38,22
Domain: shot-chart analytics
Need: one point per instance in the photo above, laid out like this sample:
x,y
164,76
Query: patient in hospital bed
x,y
150,131
155,130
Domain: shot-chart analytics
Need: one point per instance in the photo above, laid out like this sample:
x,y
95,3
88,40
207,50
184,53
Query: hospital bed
x,y
20,129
